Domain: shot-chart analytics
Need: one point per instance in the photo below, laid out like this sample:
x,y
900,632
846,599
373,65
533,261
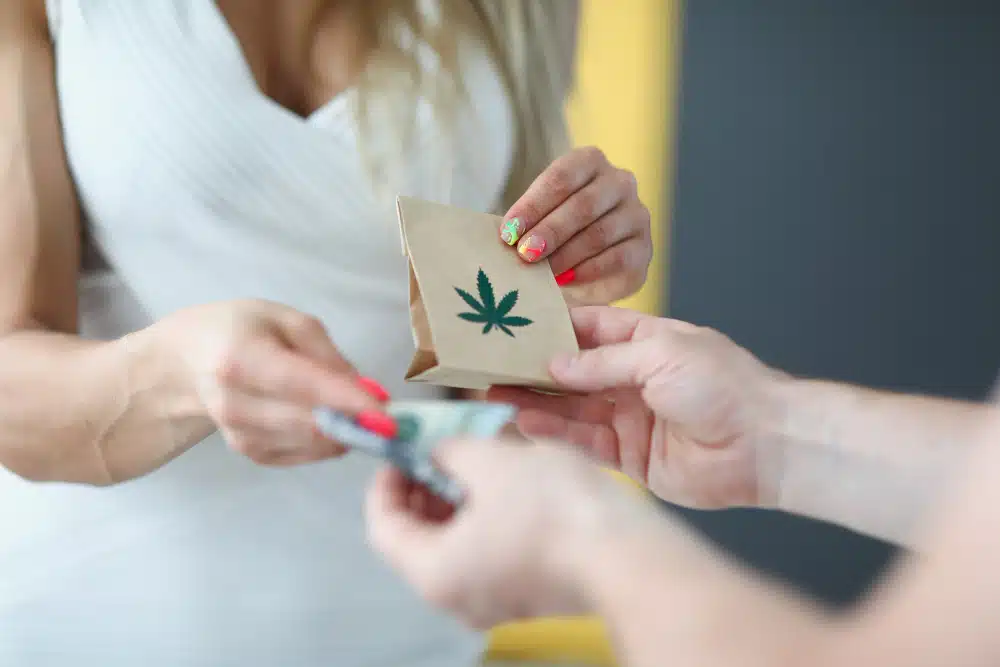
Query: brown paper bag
x,y
480,315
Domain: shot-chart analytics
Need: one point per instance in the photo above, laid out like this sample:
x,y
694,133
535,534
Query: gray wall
x,y
838,212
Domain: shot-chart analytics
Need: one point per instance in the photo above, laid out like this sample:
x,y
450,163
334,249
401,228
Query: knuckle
x,y
242,444
229,412
644,252
615,261
645,222
627,182
598,238
229,370
635,281
592,155
636,261
559,181
306,324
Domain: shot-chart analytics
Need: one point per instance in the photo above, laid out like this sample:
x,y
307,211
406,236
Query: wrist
x,y
779,402
804,422
600,521
161,412
159,374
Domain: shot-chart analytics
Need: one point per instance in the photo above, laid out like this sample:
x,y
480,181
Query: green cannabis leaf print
x,y
487,311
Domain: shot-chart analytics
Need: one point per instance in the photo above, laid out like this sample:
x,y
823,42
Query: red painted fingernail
x,y
566,277
374,389
378,423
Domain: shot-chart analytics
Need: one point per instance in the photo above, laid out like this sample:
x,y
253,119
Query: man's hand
x,y
676,407
517,545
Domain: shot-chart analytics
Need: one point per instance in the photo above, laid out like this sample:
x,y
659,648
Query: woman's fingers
x,y
578,213
622,268
611,229
269,386
283,456
272,432
268,368
308,336
256,413
565,176
585,216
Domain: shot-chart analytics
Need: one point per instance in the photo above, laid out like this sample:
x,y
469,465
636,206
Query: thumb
x,y
617,366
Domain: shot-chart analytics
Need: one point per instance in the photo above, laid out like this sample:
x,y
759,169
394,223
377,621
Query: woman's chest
x,y
301,53
161,112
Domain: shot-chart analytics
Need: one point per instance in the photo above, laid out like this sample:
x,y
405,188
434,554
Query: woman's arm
x,y
66,404
671,600
869,460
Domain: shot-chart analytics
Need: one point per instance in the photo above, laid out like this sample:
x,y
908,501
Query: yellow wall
x,y
624,103
626,88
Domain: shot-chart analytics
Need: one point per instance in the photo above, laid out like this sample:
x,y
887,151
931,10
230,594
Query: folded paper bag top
x,y
480,315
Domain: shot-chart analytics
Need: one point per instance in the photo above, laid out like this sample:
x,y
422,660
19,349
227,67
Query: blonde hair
x,y
532,42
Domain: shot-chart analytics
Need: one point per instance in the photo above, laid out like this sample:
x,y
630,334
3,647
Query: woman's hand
x,y
515,547
584,215
259,369
679,408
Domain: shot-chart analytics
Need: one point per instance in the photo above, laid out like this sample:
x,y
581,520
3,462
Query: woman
x,y
207,155
699,421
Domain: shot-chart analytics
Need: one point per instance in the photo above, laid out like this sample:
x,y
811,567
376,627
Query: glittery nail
x,y
531,248
511,231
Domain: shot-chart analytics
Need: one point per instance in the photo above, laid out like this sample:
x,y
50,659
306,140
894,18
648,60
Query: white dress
x,y
196,188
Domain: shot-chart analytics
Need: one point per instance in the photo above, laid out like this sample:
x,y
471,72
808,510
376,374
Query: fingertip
x,y
566,277
511,229
373,388
378,423
533,248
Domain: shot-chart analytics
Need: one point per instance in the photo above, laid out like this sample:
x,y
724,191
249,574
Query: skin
x,y
101,412
705,424
589,218
702,422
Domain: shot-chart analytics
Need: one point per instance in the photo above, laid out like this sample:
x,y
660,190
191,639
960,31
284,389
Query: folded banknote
x,y
422,426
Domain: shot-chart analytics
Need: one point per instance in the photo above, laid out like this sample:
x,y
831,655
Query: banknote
x,y
422,426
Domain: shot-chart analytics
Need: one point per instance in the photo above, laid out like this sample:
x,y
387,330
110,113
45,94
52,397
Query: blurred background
x,y
824,177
